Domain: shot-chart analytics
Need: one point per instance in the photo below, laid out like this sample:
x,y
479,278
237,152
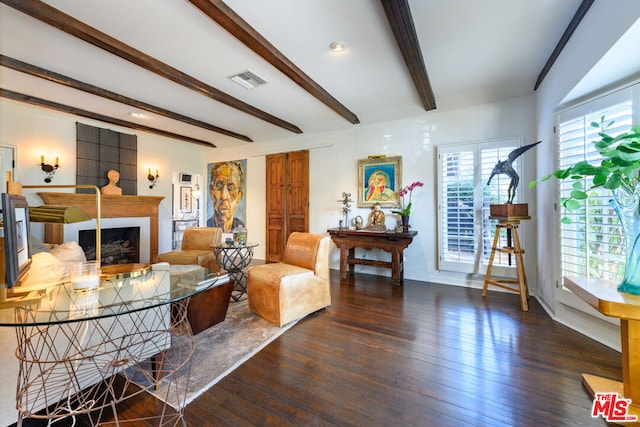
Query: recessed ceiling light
x,y
137,115
337,46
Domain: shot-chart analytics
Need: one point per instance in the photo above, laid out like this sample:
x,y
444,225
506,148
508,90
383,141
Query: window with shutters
x,y
592,243
465,232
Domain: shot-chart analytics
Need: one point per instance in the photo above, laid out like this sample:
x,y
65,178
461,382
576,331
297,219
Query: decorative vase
x,y
405,223
626,206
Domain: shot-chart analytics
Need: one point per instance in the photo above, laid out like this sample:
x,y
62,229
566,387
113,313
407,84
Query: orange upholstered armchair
x,y
196,248
286,291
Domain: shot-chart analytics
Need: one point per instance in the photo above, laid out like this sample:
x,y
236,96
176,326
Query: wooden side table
x,y
209,307
603,295
510,224
395,243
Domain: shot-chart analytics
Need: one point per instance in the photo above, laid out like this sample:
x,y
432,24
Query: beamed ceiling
x,y
163,66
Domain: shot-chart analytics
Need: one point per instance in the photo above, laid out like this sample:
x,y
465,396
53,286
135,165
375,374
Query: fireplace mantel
x,y
111,206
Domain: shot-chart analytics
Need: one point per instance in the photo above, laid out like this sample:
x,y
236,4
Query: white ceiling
x,y
474,51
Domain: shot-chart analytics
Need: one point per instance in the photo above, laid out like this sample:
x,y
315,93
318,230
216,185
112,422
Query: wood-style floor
x,y
419,355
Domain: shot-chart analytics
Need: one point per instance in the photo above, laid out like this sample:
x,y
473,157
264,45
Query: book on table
x,y
196,277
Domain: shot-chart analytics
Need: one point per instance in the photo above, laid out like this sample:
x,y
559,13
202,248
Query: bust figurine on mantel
x,y
111,188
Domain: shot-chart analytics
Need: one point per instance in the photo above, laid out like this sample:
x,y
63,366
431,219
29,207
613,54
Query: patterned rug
x,y
219,350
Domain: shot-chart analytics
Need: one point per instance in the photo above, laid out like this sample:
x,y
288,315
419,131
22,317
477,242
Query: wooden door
x,y
287,204
275,192
297,207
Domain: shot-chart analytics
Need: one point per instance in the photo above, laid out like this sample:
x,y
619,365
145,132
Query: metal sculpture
x,y
506,167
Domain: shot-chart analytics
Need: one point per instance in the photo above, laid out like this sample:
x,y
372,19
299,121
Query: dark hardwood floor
x,y
418,355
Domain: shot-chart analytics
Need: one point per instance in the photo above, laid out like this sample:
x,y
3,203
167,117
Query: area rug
x,y
218,351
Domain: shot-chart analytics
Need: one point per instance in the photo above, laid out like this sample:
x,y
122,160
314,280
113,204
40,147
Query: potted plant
x,y
618,171
405,212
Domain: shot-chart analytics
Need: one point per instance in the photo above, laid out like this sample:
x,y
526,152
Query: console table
x,y
603,295
72,343
389,241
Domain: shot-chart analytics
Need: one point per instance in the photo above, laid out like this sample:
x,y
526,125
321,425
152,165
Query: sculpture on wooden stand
x,y
506,167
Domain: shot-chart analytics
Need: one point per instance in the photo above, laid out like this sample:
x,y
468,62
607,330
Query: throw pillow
x,y
69,252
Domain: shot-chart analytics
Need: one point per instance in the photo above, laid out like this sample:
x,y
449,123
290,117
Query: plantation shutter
x,y
457,208
592,245
465,232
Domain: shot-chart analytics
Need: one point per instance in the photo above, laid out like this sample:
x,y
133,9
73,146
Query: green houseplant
x,y
618,171
406,208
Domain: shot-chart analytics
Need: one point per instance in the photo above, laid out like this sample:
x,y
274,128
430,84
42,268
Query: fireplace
x,y
119,245
74,231
115,209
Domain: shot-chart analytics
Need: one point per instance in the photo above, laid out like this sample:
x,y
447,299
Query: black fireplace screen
x,y
119,245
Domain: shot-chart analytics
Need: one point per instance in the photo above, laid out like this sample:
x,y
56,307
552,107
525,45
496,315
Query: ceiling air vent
x,y
248,79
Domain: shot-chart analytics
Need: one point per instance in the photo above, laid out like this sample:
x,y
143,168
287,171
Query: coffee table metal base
x,y
56,360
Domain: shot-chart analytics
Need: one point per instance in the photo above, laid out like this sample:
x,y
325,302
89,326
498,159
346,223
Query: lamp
x,y
57,214
68,215
153,179
196,195
49,170
48,214
196,192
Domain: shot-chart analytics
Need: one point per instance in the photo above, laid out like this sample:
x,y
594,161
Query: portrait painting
x,y
379,181
226,198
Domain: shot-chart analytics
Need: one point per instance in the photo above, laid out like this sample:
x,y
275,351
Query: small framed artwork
x,y
15,215
379,181
185,199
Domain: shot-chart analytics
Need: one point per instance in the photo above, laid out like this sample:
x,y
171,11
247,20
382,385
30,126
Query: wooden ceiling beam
x,y
568,32
399,17
16,96
61,79
224,16
54,17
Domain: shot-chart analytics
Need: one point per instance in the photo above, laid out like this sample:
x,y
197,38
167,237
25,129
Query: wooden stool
x,y
511,225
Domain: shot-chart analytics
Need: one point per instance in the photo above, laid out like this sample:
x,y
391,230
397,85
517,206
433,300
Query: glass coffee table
x,y
72,342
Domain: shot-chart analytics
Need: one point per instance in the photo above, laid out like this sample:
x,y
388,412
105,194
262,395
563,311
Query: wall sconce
x,y
49,170
195,193
153,179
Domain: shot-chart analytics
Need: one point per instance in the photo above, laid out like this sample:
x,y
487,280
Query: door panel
x,y
275,187
287,194
297,192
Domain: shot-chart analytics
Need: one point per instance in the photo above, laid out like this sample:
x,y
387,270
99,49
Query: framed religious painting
x,y
379,180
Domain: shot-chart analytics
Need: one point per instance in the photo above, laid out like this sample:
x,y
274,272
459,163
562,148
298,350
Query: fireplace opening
x,y
119,245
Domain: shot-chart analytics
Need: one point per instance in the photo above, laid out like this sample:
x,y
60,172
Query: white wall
x,y
333,167
37,131
587,45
